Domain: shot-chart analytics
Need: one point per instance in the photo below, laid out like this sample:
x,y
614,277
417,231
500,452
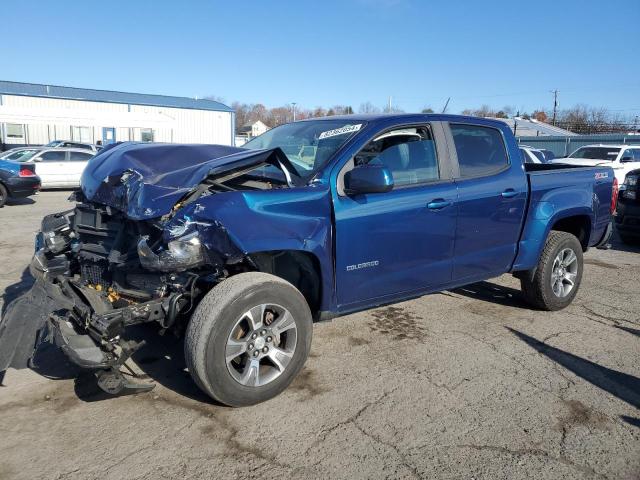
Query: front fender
x,y
240,223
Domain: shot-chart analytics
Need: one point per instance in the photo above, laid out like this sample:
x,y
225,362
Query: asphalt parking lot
x,y
463,384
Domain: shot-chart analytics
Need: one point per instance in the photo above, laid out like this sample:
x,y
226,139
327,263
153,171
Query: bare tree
x,y
368,107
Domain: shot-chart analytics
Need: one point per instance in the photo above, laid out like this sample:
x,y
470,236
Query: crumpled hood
x,y
145,180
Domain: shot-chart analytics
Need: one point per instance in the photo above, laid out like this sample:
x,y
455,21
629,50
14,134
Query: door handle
x,y
438,203
509,193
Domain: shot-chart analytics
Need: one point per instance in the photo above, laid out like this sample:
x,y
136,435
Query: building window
x,y
15,130
81,134
146,134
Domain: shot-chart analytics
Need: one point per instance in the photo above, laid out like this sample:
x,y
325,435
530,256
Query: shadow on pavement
x,y
617,244
494,293
161,360
621,385
16,202
14,290
631,420
632,331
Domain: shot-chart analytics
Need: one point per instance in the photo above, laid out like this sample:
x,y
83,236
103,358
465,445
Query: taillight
x,y
614,195
25,172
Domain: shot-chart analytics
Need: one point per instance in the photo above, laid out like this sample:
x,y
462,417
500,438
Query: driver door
x,y
390,245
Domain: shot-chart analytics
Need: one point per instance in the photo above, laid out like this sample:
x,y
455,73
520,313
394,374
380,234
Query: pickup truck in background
x,y
622,158
241,249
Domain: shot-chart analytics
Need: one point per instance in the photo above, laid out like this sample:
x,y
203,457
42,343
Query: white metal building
x,y
35,114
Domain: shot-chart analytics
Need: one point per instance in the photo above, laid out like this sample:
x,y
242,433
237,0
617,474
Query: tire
x,y
223,311
537,285
4,195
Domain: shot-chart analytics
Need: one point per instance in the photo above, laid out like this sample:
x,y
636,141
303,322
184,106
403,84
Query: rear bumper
x,y
20,187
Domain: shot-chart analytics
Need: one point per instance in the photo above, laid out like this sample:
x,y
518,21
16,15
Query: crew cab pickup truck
x,y
241,249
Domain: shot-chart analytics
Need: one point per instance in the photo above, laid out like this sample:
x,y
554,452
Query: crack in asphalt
x,y
353,419
536,452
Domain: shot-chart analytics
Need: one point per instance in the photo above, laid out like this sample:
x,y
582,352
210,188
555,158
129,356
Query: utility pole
x,y
389,105
555,106
444,110
293,106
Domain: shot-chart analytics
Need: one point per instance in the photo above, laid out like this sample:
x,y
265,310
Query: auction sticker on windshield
x,y
340,131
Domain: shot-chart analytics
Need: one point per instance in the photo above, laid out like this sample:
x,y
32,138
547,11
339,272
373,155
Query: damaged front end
x,y
109,264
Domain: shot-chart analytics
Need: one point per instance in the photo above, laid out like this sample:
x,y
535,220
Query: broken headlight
x,y
179,255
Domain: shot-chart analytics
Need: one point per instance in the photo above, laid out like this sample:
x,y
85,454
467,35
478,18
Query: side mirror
x,y
626,158
368,179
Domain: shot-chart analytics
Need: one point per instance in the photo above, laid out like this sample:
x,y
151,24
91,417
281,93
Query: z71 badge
x,y
601,175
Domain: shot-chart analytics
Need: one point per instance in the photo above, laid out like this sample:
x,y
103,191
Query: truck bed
x,y
556,188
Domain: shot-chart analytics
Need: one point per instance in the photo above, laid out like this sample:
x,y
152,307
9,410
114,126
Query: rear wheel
x,y
555,282
248,338
4,195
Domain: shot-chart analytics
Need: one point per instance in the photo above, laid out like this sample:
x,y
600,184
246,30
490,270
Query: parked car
x,y
532,155
628,211
17,181
12,154
241,248
57,167
70,144
548,154
622,158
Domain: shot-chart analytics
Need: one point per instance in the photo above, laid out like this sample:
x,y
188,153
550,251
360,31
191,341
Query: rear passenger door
x,y
492,193
51,168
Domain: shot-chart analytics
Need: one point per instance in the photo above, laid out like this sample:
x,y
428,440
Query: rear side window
x,y
480,150
79,156
53,156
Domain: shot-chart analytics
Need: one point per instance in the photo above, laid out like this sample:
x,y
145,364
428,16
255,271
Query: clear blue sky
x,y
335,52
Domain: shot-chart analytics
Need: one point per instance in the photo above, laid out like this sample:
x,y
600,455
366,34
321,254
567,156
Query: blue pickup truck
x,y
241,249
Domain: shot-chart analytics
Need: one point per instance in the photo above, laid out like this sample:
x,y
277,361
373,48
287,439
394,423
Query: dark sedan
x,y
17,180
628,210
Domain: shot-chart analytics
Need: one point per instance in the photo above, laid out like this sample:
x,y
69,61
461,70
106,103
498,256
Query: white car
x,y
531,155
57,167
622,158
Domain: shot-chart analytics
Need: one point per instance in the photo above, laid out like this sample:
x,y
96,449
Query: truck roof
x,y
416,117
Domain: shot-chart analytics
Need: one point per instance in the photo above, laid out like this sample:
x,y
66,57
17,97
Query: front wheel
x,y
248,338
557,277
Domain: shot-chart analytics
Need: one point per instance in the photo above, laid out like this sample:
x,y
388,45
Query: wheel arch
x,y
577,225
301,268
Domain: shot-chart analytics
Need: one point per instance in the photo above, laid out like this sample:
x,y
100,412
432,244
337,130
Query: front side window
x,y
596,153
480,150
308,145
410,154
15,130
53,156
